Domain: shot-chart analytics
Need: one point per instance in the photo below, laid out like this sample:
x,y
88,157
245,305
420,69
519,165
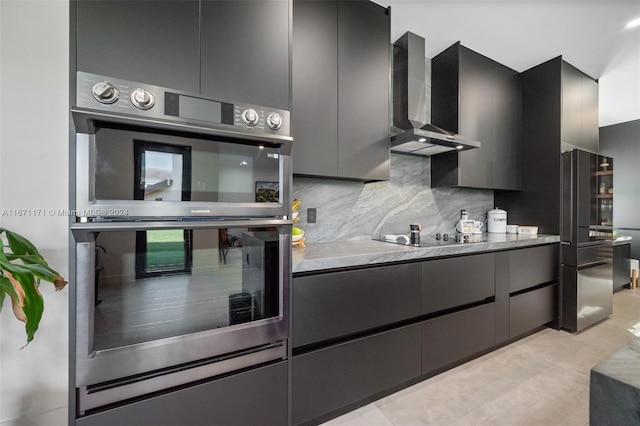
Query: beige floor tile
x,y
369,415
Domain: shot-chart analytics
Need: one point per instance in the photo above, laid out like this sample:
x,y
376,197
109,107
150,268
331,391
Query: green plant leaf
x,y
32,305
41,272
3,256
20,280
5,288
37,265
19,244
27,258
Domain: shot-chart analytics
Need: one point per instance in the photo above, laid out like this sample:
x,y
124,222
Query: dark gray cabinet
x,y
559,104
359,334
336,304
154,42
532,309
236,51
527,281
621,265
479,98
364,57
315,87
340,89
454,282
531,266
245,51
451,338
579,109
332,378
255,397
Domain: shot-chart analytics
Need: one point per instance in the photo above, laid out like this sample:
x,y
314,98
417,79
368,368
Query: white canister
x,y
497,221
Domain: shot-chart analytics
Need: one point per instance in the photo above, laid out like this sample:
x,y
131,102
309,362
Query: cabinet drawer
x,y
332,378
531,266
337,304
220,402
450,338
447,283
532,309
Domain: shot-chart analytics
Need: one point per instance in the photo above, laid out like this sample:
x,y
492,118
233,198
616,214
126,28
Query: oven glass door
x,y
154,297
122,172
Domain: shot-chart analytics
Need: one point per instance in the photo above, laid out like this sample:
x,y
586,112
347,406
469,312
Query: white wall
x,y
619,88
34,58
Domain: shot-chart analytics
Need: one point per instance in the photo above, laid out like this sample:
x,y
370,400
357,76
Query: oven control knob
x,y
142,99
105,92
250,117
274,121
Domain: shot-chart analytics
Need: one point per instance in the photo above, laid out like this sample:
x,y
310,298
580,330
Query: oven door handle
x,y
80,228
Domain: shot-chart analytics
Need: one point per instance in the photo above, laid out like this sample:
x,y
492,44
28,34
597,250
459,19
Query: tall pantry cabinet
x,y
559,110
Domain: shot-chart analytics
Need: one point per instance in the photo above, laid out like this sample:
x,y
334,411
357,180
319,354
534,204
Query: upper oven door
x,y
148,151
136,172
155,295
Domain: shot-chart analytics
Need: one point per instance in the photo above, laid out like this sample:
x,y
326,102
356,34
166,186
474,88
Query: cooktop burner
x,y
438,240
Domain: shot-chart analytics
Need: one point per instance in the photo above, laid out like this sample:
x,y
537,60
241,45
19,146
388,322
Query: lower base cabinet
x,y
532,309
621,266
334,377
448,339
254,397
491,298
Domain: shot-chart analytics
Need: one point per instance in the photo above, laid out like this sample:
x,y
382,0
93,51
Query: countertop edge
x,y
326,256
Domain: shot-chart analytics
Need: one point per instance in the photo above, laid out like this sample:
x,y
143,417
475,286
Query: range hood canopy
x,y
430,140
409,105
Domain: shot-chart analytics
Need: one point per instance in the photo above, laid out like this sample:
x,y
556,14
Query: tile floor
x,y
542,379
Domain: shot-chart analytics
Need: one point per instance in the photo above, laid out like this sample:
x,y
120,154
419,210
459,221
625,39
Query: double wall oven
x,y
182,239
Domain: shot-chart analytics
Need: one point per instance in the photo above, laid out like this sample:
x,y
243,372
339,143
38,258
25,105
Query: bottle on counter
x,y
414,238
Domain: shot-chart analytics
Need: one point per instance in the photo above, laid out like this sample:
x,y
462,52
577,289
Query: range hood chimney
x,y
409,105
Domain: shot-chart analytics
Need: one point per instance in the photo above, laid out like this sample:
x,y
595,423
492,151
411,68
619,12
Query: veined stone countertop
x,y
344,254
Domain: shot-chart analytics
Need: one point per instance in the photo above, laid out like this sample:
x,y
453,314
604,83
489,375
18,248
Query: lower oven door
x,y
161,304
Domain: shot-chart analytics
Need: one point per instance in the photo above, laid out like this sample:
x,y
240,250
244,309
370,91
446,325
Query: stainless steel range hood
x,y
409,105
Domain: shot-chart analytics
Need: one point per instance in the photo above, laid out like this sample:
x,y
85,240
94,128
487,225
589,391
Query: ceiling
x,y
590,35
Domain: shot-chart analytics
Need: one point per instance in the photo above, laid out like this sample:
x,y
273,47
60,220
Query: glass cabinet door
x,y
604,191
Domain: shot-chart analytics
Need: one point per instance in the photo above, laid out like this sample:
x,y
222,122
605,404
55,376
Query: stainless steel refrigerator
x,y
586,295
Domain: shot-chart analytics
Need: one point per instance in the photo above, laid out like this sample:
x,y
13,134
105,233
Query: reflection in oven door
x,y
160,304
137,173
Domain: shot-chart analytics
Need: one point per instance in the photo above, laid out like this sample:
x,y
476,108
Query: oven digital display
x,y
198,109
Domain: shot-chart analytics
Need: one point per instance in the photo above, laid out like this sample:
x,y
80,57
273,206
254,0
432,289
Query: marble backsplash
x,y
348,210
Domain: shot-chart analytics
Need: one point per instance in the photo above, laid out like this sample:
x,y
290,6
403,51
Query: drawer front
x,y
220,402
331,305
450,338
531,266
334,377
532,309
447,283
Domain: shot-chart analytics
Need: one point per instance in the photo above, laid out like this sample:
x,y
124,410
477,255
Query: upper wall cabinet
x,y
245,51
235,51
153,42
579,119
340,82
478,98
